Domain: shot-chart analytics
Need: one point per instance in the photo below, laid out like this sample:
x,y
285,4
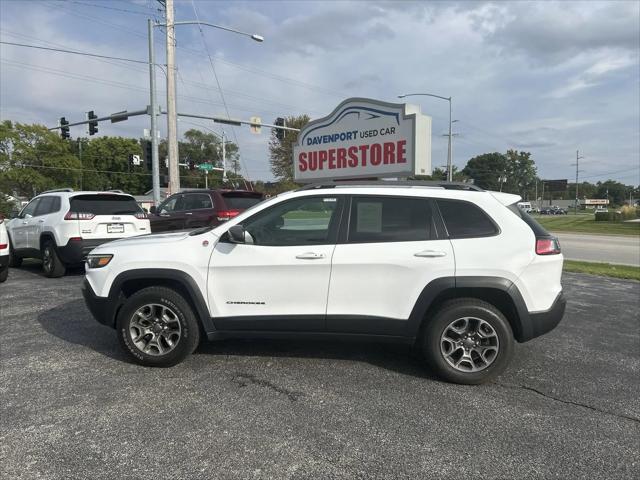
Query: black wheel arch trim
x,y
116,297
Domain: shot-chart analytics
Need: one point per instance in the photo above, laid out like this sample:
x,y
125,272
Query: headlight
x,y
98,261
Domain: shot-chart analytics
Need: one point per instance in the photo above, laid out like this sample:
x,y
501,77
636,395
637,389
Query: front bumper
x,y
103,309
543,322
76,251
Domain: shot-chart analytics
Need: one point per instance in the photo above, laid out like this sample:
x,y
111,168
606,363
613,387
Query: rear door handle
x,y
310,256
25,223
430,254
188,213
40,221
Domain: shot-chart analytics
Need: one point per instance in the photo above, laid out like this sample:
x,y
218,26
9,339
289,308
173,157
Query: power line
x,y
75,52
146,14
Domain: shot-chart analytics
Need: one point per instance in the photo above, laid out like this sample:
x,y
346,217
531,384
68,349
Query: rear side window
x,y
47,205
197,201
389,219
105,204
538,229
241,200
465,220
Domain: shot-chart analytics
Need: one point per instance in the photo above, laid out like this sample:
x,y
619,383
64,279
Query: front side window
x,y
197,201
30,209
172,204
465,220
390,219
302,221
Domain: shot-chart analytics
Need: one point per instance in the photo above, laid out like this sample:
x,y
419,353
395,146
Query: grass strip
x,y
603,269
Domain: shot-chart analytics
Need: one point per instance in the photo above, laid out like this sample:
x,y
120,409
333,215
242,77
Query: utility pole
x,y
172,117
155,166
224,158
578,157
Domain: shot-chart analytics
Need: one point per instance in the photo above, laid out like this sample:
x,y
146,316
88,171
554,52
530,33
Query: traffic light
x,y
93,126
147,153
64,128
280,122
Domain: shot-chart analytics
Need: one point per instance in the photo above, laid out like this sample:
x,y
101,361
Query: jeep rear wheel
x,y
51,263
157,327
468,341
14,260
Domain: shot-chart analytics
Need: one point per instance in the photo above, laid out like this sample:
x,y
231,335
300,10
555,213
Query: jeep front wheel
x,y
157,327
468,341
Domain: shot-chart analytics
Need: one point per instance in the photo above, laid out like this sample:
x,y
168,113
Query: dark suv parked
x,y
200,208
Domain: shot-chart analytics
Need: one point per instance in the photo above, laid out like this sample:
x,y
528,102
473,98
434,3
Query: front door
x,y
279,278
170,215
390,253
20,226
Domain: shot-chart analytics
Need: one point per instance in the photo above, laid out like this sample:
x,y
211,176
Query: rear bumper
x,y
4,261
543,322
103,309
76,251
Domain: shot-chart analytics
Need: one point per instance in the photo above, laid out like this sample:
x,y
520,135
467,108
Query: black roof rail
x,y
395,183
57,190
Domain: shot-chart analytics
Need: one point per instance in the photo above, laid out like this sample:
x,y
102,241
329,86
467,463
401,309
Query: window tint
x,y
105,204
241,200
465,220
197,201
172,204
30,209
47,205
303,221
389,219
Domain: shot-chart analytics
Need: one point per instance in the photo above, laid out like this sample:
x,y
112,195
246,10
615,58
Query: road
x,y
601,248
73,408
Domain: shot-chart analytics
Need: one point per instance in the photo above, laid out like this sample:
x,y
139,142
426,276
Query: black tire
x,y
182,314
458,309
4,273
51,263
14,260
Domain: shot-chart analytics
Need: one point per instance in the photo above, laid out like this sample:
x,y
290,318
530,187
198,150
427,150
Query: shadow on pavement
x,y
32,265
73,323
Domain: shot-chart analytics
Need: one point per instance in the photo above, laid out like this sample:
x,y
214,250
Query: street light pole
x,y
155,167
172,122
450,146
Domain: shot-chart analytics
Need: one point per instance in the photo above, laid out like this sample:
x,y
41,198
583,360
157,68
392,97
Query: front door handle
x,y
310,256
430,254
25,223
41,221
188,213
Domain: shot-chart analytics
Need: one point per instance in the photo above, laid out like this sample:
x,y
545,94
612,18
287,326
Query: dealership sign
x,y
364,138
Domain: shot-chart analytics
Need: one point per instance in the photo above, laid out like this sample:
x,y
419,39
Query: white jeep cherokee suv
x,y
62,226
459,271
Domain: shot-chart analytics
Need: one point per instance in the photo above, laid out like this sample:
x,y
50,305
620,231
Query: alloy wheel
x,y
155,329
469,344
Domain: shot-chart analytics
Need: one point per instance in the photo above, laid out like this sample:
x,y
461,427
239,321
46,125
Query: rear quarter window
x,y
537,229
466,220
241,200
105,204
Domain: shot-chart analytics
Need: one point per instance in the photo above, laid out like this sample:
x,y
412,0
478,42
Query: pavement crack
x,y
245,379
567,402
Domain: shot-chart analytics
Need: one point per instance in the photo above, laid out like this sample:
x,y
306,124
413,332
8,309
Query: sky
x,y
545,77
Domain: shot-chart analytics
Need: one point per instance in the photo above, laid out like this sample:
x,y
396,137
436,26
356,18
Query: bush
x,y
625,213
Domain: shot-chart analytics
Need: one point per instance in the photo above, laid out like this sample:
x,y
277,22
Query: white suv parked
x,y
459,271
62,226
4,250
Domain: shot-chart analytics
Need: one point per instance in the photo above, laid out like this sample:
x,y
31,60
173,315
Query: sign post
x,y
364,138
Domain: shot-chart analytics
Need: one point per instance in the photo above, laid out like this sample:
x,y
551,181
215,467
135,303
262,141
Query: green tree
x,y
486,169
520,173
616,192
281,151
33,159
106,166
202,147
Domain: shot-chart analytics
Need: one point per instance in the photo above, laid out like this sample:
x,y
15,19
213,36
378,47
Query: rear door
x,y
107,216
391,250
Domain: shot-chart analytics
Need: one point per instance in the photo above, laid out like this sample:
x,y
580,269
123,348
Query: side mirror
x,y
237,234
152,209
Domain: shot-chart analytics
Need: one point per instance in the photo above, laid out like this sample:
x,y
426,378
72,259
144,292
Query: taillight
x,y
79,215
3,246
224,215
141,215
547,246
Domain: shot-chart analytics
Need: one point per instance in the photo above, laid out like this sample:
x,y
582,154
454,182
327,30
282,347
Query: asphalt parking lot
x,y
72,407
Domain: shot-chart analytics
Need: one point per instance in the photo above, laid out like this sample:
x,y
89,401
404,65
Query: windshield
x,y
105,204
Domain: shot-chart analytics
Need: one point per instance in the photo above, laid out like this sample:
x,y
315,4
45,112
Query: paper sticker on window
x,y
369,217
329,199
